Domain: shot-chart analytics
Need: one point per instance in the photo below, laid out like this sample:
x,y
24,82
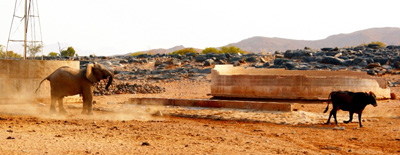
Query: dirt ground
x,y
118,127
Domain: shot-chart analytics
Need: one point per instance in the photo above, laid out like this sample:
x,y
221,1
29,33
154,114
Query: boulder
x,y
363,63
304,67
296,54
237,58
332,60
373,46
280,61
205,71
381,60
265,65
208,62
158,63
373,65
396,65
291,65
251,59
326,49
201,58
194,70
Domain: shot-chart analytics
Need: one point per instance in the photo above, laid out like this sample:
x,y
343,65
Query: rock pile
x,y
126,88
370,58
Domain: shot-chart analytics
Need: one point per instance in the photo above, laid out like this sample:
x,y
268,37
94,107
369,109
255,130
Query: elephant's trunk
x,y
110,79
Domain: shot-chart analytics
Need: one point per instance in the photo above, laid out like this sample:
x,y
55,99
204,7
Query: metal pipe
x,y
26,27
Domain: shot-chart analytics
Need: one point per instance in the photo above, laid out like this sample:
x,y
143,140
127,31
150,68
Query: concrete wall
x,y
20,78
229,81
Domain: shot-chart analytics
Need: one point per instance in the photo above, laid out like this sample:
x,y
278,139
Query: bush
x,y
137,54
8,54
184,51
53,54
232,50
210,50
379,43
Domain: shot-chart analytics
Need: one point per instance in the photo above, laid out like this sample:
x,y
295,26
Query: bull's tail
x,y
329,99
41,84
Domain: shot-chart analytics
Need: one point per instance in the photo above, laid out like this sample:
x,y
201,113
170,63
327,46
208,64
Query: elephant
x,y
67,81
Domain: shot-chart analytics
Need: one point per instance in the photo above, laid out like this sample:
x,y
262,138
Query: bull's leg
x,y
61,106
334,116
53,105
359,119
351,117
329,119
333,112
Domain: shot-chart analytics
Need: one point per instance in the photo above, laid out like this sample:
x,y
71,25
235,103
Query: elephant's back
x,y
65,81
63,73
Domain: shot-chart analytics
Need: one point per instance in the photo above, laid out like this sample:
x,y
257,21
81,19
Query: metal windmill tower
x,y
28,15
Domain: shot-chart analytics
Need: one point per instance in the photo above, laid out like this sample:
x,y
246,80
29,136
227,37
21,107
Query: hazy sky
x,y
108,27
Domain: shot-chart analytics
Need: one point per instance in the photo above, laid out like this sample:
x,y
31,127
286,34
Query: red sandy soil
x,y
29,129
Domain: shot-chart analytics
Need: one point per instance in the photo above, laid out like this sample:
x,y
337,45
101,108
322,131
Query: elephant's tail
x,y
41,84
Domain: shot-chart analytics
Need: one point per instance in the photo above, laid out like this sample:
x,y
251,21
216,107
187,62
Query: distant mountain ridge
x,y
388,35
164,51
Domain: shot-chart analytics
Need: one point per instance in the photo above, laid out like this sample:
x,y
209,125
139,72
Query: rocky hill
x,y
388,35
163,51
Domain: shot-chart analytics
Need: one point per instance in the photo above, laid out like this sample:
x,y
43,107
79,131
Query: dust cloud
x,y
25,104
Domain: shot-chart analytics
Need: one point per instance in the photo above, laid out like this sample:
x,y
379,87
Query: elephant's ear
x,y
89,73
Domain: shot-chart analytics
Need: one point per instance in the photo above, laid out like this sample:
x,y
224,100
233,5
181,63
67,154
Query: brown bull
x,y
354,102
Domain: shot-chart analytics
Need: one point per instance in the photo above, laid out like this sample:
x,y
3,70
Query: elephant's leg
x,y
61,106
84,108
87,100
53,105
90,105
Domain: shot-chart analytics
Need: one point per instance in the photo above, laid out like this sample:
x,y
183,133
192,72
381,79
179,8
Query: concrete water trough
x,y
20,78
239,82
237,104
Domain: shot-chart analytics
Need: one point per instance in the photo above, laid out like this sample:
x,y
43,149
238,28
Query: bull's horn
x,y
372,94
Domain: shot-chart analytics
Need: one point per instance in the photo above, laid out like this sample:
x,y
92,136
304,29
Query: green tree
x,y
70,52
8,54
184,51
232,50
210,50
53,54
34,49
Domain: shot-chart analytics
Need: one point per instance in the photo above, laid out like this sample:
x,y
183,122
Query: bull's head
x,y
372,99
